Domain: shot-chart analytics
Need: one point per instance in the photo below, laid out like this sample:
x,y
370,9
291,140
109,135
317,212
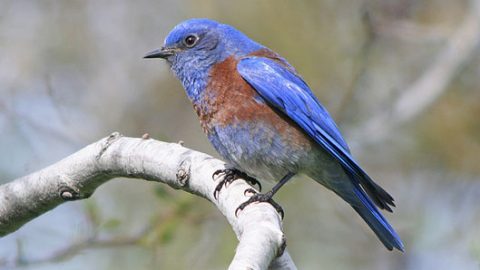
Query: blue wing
x,y
278,84
287,92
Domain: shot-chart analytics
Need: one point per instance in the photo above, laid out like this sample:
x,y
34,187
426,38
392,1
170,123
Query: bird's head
x,y
194,45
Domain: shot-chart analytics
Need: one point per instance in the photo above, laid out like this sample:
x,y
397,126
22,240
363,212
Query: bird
x,y
264,120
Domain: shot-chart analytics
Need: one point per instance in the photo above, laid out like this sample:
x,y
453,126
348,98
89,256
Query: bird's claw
x,y
259,197
230,175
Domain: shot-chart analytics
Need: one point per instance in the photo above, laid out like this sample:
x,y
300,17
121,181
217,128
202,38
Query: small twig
x,y
75,248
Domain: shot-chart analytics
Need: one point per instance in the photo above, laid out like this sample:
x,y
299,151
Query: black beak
x,y
160,53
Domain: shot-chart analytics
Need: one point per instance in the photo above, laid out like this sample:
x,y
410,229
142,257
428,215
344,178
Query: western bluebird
x,y
263,119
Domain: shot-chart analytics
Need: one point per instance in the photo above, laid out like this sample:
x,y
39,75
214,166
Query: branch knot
x,y
183,172
109,141
68,193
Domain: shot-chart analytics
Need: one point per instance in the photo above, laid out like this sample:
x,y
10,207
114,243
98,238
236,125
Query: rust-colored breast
x,y
234,97
229,101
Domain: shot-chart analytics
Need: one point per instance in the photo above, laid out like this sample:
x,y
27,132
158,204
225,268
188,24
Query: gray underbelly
x,y
261,152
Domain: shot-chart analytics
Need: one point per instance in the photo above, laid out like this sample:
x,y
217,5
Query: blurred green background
x,y
71,72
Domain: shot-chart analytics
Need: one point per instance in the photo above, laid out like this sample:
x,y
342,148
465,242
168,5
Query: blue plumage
x,y
291,95
263,118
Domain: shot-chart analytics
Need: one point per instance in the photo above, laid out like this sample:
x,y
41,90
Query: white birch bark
x,y
258,227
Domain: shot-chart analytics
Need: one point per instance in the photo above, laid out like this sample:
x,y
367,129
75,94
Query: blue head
x,y
195,45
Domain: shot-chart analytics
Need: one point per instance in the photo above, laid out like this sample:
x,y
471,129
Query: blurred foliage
x,y
72,72
455,119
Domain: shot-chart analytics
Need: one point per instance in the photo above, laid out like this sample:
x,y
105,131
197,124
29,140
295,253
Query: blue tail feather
x,y
376,221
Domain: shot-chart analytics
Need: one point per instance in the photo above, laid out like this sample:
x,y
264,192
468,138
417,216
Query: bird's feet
x,y
259,197
230,175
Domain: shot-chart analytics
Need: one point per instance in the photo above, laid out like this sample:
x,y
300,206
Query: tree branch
x,y
258,227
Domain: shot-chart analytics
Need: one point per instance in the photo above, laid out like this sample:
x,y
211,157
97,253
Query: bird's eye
x,y
190,40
